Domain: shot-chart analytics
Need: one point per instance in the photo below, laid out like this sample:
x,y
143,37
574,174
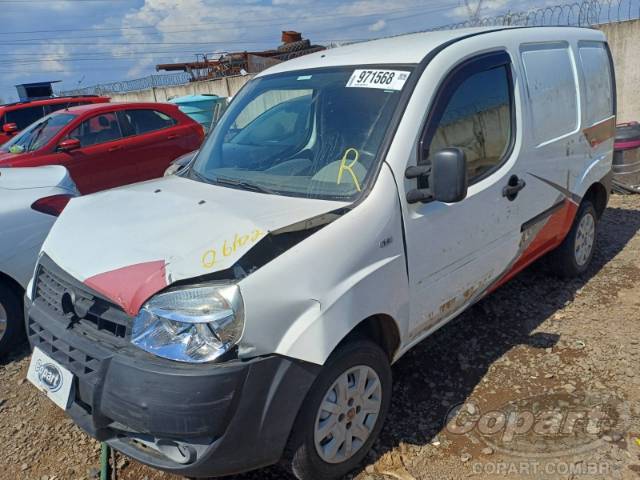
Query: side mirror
x,y
447,176
10,128
69,145
179,164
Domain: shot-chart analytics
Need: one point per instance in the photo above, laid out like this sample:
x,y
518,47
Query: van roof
x,y
412,48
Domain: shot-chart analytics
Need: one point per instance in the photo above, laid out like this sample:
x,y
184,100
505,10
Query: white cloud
x,y
377,26
488,8
51,55
291,2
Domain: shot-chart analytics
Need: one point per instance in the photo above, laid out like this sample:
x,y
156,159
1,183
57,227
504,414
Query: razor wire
x,y
145,83
586,13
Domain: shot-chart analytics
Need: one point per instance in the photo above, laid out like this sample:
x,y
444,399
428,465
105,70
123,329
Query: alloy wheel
x,y
585,239
348,414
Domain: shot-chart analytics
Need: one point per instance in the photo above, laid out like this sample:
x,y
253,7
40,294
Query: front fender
x,y
303,303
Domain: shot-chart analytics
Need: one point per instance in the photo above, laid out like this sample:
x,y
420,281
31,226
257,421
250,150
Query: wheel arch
x,y
380,328
12,284
598,195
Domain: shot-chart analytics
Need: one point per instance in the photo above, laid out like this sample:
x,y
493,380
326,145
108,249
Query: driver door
x,y
457,251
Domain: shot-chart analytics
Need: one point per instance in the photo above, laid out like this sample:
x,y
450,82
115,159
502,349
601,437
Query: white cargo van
x,y
347,204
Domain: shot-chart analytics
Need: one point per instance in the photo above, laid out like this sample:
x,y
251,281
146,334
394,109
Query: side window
x,y
597,79
24,116
476,116
99,129
144,121
552,90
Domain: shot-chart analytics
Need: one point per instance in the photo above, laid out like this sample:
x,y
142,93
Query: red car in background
x,y
15,117
106,145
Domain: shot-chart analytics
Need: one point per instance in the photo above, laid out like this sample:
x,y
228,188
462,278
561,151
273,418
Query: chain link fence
x,y
587,13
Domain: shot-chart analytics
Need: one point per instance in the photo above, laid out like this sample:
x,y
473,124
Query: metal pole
x,y
104,461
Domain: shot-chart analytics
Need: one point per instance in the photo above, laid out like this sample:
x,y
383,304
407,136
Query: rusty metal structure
x,y
207,67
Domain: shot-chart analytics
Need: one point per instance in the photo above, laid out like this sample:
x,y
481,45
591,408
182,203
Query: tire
x,y
568,260
355,360
11,319
294,46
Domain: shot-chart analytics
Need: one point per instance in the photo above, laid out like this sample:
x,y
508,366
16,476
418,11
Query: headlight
x,y
195,325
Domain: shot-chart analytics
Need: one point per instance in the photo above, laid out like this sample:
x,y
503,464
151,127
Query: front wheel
x,y
343,413
574,255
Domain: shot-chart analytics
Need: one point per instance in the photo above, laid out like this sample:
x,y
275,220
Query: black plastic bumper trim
x,y
246,409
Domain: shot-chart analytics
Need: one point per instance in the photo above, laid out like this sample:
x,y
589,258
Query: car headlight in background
x,y
196,324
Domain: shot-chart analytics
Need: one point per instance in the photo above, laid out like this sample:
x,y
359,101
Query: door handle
x,y
172,137
114,149
512,188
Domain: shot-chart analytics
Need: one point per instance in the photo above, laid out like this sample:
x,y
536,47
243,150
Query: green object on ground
x,y
104,461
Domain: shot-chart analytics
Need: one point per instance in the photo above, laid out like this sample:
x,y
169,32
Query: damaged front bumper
x,y
193,420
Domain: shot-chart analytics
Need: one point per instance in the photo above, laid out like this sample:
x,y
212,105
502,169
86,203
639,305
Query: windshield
x,y
313,134
38,134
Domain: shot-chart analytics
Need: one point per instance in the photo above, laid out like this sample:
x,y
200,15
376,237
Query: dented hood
x,y
131,242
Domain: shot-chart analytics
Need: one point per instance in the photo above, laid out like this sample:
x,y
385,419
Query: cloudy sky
x,y
85,42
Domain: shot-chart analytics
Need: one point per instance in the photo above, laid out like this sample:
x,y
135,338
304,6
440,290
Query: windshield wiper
x,y
253,187
35,135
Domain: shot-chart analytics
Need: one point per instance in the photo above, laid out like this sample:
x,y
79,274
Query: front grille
x,y
80,363
102,318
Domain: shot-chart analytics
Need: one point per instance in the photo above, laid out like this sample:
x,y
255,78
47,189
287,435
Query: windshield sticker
x,y
382,79
228,248
348,167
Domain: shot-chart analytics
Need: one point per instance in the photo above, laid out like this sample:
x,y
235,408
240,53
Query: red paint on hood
x,y
130,286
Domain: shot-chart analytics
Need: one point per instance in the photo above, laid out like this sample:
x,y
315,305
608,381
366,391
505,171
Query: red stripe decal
x,y
130,286
549,237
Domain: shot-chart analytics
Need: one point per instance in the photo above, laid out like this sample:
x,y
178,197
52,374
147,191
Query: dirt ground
x,y
547,370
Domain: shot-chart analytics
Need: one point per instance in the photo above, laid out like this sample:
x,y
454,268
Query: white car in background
x,y
30,201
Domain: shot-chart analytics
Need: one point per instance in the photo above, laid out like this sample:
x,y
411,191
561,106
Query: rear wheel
x,y
11,321
343,413
574,255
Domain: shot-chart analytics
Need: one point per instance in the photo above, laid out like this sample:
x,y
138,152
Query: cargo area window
x,y
553,93
596,70
473,111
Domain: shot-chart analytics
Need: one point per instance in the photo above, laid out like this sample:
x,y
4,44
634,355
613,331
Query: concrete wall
x,y
624,40
223,87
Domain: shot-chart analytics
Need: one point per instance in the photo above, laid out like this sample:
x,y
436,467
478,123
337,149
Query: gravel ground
x,y
535,349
